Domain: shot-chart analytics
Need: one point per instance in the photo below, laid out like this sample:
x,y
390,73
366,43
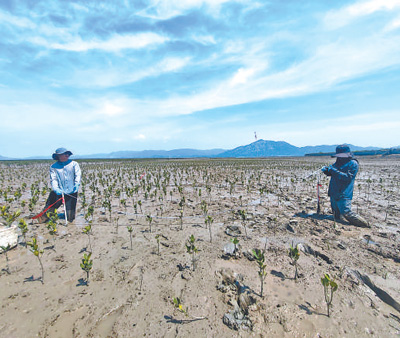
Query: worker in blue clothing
x,y
343,173
65,179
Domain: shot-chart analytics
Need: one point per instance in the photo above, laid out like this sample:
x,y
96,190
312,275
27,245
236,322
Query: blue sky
x,y
102,76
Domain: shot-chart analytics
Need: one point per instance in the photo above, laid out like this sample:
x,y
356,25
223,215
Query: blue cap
x,y
61,151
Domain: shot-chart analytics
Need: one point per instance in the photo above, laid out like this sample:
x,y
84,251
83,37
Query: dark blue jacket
x,y
343,174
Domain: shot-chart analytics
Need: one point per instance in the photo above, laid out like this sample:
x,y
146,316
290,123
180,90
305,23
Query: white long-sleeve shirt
x,y
65,175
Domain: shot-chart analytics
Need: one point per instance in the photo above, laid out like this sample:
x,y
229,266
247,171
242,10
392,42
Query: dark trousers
x,y
70,203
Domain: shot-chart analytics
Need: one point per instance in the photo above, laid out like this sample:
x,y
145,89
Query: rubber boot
x,y
356,220
70,215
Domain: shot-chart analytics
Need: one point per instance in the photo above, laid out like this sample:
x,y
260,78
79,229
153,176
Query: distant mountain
x,y
176,153
259,148
2,158
263,148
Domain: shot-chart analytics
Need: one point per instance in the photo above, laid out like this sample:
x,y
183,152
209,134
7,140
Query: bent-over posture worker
x,y
343,173
65,178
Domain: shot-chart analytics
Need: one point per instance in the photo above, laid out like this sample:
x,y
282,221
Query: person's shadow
x,y
314,216
319,217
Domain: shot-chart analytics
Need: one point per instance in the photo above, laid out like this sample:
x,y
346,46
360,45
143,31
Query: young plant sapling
x,y
243,216
260,259
108,207
181,218
178,305
191,249
235,242
330,286
150,220
52,225
23,227
5,250
140,206
87,265
87,230
157,237
204,208
116,225
123,203
294,255
9,217
130,230
209,220
34,248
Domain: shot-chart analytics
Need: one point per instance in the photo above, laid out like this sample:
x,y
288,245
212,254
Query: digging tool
x,y
314,173
318,198
45,210
319,185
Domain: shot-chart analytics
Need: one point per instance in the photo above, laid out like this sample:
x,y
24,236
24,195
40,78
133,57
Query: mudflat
x,y
149,280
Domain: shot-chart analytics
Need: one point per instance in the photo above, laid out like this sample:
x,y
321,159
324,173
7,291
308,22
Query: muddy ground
x,y
132,285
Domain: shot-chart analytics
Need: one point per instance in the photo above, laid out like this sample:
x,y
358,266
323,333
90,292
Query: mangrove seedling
x,y
204,208
294,255
130,230
5,250
34,248
181,218
23,227
87,230
108,207
178,305
157,237
330,286
191,249
235,242
242,214
260,259
149,219
208,221
116,225
140,206
87,265
9,217
89,215
123,203
52,225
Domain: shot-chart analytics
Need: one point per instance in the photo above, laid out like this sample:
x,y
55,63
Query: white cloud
x,y
241,76
115,43
16,21
111,109
203,39
370,129
392,25
166,9
338,18
119,75
139,137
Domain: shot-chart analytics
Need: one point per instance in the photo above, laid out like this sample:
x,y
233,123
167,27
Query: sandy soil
x,y
131,289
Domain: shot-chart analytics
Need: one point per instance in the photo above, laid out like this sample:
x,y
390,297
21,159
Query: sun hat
x,y
343,150
61,151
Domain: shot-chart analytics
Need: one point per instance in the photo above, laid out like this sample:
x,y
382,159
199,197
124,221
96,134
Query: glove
x,y
76,187
326,170
58,191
